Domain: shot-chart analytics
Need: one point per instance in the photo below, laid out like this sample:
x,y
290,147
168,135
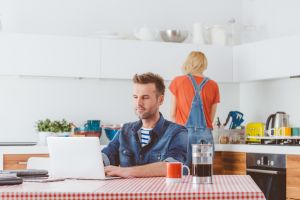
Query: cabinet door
x,y
38,55
220,62
293,177
278,58
234,163
244,64
124,58
218,164
18,161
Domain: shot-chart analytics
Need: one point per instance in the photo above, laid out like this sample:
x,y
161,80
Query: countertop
x,y
249,148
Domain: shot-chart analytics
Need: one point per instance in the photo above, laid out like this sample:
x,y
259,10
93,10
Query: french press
x,y
202,163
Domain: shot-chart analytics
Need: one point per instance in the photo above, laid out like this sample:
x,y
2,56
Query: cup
x,y
295,131
175,172
284,131
92,125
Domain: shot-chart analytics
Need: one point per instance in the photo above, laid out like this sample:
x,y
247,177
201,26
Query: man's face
x,y
145,99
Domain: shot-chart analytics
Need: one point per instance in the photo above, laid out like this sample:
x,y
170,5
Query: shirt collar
x,y
158,129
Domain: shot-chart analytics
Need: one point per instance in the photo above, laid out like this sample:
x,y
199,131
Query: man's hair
x,y
150,77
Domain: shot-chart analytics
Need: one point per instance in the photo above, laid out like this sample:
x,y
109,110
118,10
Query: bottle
x,y
198,33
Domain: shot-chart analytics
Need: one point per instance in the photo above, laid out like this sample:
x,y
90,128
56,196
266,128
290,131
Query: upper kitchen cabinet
x,y
244,62
219,62
40,55
276,58
124,58
268,59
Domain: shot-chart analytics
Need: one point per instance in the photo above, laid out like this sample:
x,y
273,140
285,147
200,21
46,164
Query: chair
x,y
38,163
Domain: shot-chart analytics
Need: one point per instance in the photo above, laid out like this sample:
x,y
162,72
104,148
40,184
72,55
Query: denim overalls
x,y
196,123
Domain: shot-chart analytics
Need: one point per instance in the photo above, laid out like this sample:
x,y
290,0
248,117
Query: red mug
x,y
175,171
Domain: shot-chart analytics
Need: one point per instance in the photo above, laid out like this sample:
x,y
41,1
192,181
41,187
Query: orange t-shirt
x,y
182,89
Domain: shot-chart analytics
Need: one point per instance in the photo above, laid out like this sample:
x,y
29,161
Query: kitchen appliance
x,y
277,120
254,129
236,119
202,163
269,173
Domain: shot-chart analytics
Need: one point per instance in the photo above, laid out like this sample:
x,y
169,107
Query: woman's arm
x,y
173,107
213,111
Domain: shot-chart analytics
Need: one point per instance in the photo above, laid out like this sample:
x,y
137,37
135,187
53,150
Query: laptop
x,y
76,158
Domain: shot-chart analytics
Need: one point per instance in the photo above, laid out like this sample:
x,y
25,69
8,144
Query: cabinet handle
x,y
22,163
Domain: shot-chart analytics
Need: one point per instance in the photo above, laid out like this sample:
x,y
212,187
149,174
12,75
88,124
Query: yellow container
x,y
254,129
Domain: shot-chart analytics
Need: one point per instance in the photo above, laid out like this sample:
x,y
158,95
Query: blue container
x,y
110,133
295,131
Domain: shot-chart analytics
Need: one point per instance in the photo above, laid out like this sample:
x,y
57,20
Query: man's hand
x,y
118,171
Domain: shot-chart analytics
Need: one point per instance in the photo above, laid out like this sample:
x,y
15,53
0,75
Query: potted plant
x,y
44,130
47,128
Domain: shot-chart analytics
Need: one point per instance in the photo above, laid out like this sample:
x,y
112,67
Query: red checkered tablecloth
x,y
223,187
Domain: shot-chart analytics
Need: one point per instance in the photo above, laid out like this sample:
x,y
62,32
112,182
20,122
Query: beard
x,y
143,114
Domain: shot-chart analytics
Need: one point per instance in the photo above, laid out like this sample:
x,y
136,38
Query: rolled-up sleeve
x,y
178,146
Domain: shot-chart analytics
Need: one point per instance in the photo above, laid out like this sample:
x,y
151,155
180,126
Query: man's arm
x,y
213,111
111,151
148,170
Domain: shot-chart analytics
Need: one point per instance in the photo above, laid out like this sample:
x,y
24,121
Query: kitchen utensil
x,y
285,131
173,35
110,133
218,35
236,119
145,33
295,131
175,172
277,120
92,125
198,33
202,163
87,132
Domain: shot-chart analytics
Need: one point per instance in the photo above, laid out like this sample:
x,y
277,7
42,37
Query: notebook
x,y
76,157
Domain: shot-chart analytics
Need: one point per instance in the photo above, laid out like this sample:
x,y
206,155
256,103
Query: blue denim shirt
x,y
168,142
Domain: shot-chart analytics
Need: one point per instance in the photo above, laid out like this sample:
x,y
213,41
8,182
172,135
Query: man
x,y
141,148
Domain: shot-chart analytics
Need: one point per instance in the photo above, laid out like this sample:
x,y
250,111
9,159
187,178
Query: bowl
x,y
173,35
110,132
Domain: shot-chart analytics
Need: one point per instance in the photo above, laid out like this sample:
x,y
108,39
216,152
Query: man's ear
x,y
161,99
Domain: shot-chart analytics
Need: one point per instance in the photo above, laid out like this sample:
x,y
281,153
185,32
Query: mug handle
x,y
188,169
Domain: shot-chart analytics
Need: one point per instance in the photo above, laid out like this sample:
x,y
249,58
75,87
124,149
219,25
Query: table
x,y
223,187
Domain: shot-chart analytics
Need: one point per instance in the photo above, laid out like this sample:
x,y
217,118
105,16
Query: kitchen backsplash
x,y
25,100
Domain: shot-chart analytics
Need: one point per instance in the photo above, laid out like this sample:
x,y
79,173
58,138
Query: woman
x,y
194,101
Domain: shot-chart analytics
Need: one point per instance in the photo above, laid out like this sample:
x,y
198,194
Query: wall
x,y
26,100
260,99
270,18
84,17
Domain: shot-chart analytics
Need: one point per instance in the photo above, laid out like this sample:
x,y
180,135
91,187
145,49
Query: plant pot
x,y
43,138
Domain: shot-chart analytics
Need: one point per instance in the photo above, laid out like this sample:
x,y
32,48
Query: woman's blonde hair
x,y
195,63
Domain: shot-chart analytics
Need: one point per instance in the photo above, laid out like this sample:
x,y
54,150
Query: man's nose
x,y
139,101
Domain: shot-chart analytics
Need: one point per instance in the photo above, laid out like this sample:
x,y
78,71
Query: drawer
x,y
18,161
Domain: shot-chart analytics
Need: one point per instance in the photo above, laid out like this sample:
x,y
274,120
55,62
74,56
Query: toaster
x,y
254,129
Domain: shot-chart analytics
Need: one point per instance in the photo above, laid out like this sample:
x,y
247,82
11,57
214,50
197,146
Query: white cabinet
x,y
220,62
278,58
40,55
268,59
122,59
245,62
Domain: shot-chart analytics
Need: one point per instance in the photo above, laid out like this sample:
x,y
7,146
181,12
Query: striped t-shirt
x,y
145,136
